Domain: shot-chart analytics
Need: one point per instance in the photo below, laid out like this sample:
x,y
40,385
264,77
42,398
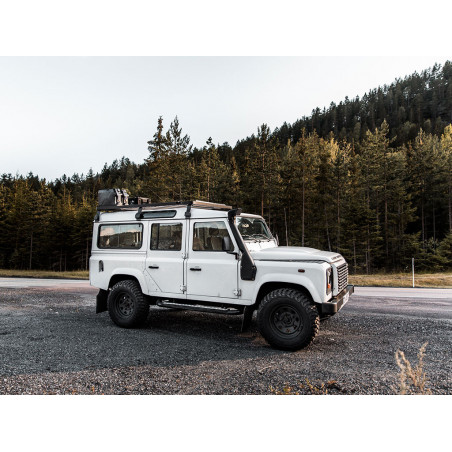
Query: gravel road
x,y
52,342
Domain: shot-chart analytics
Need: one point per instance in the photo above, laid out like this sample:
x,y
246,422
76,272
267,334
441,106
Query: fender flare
x,y
129,272
294,280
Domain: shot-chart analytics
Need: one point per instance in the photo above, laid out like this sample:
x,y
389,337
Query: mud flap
x,y
101,301
247,317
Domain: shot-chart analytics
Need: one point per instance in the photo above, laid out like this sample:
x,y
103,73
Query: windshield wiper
x,y
263,236
247,237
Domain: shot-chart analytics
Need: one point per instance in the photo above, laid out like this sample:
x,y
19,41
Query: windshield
x,y
253,228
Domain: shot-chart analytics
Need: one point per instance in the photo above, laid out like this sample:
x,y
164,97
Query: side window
x,y
165,236
209,236
120,236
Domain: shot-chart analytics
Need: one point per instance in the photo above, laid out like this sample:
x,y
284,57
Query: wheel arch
x,y
123,277
270,286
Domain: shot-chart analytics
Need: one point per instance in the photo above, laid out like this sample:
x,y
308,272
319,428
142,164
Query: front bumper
x,y
336,303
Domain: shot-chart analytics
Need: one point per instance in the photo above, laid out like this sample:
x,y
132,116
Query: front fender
x,y
299,280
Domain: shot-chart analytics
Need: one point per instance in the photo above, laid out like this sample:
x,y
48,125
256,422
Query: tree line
x,y
418,101
379,197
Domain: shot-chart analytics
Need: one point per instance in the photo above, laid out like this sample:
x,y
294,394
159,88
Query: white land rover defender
x,y
210,257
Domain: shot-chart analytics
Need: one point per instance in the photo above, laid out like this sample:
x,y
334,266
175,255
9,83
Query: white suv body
x,y
199,255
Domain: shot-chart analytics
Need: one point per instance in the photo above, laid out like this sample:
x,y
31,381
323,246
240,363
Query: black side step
x,y
198,307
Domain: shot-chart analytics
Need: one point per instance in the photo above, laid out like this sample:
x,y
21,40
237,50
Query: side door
x,y
165,258
211,272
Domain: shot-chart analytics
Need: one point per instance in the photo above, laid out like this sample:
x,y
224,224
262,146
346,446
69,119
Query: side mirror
x,y
227,245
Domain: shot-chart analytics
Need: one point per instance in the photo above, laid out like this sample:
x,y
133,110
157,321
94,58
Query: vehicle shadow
x,y
186,338
201,326
168,339
47,335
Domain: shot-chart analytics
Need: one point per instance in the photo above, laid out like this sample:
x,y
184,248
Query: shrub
x,y
412,380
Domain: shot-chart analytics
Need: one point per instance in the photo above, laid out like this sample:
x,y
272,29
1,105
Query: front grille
x,y
342,277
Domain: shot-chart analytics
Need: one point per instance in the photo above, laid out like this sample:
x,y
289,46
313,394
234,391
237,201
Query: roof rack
x,y
116,200
194,204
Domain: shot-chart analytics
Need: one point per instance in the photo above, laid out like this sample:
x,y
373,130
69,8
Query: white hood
x,y
294,253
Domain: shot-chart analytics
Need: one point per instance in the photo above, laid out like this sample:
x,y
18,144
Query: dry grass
x,y
81,274
439,280
306,388
412,380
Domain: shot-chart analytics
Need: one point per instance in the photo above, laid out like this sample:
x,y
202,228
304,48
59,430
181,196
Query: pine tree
x,y
446,154
178,149
156,185
263,172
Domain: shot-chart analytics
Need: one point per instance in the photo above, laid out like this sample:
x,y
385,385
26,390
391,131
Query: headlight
x,y
329,280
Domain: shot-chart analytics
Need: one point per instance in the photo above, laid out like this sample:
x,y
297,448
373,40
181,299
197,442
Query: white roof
x,y
196,213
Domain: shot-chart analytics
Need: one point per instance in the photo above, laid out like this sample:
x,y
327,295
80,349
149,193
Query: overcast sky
x,y
65,115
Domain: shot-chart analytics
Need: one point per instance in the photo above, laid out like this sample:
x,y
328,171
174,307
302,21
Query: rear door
x,y
165,258
211,272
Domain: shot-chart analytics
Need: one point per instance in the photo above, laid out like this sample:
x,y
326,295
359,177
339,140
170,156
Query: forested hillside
x,y
418,101
370,178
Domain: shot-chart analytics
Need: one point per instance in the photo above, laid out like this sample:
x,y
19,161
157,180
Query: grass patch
x,y
439,280
79,274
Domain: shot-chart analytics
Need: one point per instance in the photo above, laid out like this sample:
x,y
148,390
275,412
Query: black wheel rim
x,y
286,320
124,305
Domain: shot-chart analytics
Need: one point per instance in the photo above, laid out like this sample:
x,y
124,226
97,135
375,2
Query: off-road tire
x,y
288,319
127,305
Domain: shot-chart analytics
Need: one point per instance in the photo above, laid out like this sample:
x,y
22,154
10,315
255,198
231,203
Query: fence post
x,y
412,266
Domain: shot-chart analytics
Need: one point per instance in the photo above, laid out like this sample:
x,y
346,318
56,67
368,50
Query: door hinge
x,y
184,255
183,288
238,292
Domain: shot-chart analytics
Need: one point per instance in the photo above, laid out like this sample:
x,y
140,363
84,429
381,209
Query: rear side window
x,y
120,236
166,236
159,214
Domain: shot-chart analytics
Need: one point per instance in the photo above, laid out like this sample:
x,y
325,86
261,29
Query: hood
x,y
294,253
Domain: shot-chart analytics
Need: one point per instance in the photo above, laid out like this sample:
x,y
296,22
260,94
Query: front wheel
x,y
287,319
127,305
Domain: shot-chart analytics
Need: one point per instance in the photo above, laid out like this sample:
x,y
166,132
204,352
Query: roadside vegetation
x,y
438,280
80,274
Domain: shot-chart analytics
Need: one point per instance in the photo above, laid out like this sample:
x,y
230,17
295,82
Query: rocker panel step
x,y
197,307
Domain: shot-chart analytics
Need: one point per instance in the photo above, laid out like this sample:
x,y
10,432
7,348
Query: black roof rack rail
x,y
115,207
193,204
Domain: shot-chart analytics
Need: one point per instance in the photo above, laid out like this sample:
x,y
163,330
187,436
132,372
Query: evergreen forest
x,y
370,178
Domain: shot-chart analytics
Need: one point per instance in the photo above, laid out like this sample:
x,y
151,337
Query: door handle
x,y
153,266
195,269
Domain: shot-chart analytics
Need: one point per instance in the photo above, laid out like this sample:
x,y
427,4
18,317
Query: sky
x,y
65,115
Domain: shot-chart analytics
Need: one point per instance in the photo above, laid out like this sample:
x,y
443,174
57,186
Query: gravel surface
x,y
52,342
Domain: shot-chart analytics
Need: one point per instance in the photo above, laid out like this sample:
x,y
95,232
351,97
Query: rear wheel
x,y
127,305
287,319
